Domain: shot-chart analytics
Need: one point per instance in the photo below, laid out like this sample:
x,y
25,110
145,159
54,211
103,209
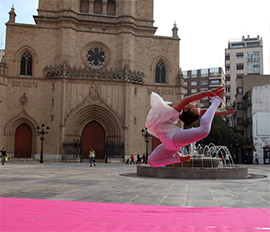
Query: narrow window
x,y
160,73
26,64
98,7
111,7
84,6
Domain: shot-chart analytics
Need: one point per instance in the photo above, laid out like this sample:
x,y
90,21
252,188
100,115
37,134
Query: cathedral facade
x,y
85,69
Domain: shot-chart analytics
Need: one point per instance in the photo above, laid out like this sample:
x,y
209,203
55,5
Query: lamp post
x,y
42,131
146,136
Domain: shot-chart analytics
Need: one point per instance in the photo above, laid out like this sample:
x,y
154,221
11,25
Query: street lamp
x,y
42,131
146,136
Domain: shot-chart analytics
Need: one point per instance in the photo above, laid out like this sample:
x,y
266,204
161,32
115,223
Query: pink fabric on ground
x,y
50,215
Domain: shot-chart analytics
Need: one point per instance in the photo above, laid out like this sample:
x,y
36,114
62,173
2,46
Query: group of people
x,y
139,159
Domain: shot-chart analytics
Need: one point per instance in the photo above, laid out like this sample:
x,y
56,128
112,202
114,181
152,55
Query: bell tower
x,y
97,19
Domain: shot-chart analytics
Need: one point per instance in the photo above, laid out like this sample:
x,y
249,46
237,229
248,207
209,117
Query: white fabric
x,y
164,154
161,120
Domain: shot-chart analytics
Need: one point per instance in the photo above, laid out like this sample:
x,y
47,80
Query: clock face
x,y
96,57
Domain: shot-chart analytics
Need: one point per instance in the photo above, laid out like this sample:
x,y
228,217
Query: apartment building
x,y
255,109
242,57
199,80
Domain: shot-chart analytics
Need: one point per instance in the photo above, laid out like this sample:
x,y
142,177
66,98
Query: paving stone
x,y
118,183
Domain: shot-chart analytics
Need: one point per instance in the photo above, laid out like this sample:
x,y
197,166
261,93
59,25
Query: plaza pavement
x,y
117,183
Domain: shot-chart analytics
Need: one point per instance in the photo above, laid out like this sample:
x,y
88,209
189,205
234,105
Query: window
x,y
204,72
228,78
228,89
185,83
194,91
185,74
228,100
254,68
185,91
239,56
227,57
160,73
96,57
237,45
193,83
84,6
26,64
254,56
193,73
98,7
111,7
203,89
215,82
240,66
203,82
214,71
239,90
227,68
239,76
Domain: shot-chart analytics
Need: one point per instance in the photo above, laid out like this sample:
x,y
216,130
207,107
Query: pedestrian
x,y
139,159
163,116
132,159
3,155
143,159
256,159
92,156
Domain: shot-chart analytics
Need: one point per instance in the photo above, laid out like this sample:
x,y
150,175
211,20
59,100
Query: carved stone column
x,y
91,6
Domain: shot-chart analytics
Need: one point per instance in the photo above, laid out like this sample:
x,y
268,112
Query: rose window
x,y
96,57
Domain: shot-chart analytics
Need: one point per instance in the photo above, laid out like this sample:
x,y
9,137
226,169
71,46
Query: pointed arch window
x,y
160,73
26,64
111,7
84,6
98,7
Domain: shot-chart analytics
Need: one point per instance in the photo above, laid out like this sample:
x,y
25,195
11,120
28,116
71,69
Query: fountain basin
x,y
235,172
199,161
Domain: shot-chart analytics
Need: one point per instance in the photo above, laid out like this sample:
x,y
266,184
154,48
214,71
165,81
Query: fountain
x,y
209,162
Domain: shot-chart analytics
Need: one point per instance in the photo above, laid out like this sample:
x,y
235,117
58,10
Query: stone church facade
x,y
86,69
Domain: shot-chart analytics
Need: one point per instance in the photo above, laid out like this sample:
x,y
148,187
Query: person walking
x,y
92,156
3,155
132,159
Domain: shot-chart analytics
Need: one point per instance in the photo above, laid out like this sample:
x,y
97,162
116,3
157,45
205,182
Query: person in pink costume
x,y
163,116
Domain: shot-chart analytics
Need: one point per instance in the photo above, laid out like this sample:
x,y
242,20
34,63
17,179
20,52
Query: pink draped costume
x,y
161,122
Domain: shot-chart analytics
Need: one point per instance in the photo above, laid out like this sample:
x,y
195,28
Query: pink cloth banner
x,y
50,215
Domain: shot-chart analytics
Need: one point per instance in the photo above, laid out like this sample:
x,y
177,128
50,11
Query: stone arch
x,y
13,124
19,54
103,115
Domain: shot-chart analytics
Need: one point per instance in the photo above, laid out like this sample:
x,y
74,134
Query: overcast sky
x,y
205,26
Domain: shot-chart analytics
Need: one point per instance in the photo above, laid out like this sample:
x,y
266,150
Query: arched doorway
x,y
93,135
23,141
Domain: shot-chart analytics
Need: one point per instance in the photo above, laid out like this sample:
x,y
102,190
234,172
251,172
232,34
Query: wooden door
x,y
23,141
93,135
